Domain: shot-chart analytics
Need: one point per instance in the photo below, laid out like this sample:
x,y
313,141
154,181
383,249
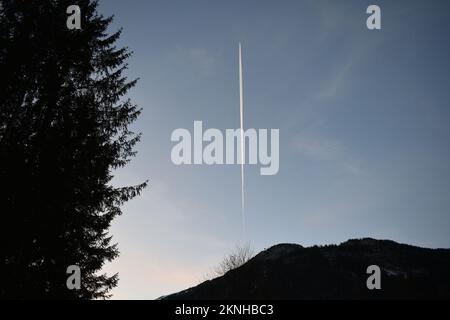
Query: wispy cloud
x,y
195,57
327,149
317,147
336,81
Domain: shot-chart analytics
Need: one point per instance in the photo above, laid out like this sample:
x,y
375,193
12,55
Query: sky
x,y
363,118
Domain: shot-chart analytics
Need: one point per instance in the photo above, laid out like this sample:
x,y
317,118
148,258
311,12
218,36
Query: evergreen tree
x,y
64,129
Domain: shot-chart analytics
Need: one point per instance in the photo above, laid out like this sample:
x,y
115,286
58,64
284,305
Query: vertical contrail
x,y
241,105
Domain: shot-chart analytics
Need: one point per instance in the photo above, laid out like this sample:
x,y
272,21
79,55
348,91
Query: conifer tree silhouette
x,y
64,129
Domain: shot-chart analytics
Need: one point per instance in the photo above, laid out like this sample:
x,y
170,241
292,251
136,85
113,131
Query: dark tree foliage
x,y
64,129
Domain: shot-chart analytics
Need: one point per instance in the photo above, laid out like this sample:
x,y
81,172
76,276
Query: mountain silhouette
x,y
291,271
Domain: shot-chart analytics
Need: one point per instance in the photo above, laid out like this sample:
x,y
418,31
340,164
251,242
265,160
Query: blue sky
x,y
363,118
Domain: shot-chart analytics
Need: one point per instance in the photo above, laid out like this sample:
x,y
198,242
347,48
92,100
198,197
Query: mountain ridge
x,y
291,271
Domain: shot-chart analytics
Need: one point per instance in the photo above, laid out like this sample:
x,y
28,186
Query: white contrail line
x,y
241,105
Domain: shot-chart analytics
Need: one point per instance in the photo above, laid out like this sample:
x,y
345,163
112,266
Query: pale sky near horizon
x,y
363,118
